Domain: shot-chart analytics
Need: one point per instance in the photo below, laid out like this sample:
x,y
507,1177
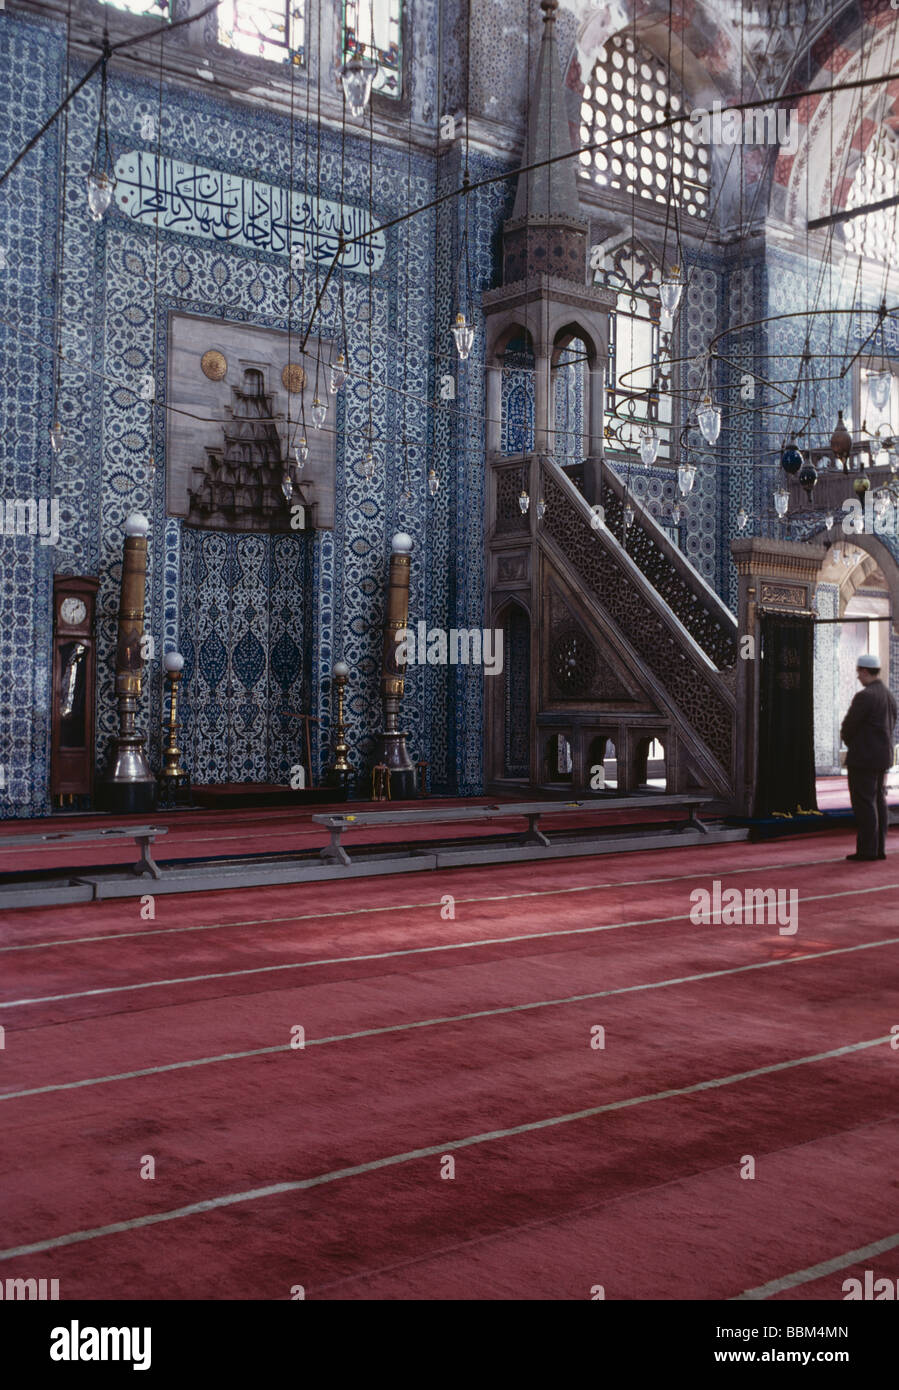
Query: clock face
x,y
72,611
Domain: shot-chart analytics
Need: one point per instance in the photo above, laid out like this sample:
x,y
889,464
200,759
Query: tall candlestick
x,y
174,782
340,767
391,745
129,785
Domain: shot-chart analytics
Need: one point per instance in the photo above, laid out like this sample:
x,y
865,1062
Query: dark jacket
x,y
867,730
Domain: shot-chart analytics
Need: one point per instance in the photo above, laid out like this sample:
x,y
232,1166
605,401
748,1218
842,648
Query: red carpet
x,y
435,1043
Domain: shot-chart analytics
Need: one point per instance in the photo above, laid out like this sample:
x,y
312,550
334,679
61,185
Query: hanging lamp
x,y
670,291
101,175
357,76
841,441
686,476
649,445
709,418
791,459
337,374
879,386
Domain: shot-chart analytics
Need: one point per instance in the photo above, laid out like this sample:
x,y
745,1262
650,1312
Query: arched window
x,y
635,365
273,29
627,89
876,177
374,28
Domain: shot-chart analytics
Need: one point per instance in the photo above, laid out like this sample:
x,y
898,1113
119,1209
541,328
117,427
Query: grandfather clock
x,y
74,662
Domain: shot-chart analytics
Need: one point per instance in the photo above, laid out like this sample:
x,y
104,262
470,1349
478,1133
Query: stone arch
x,y
502,331
836,130
567,333
876,555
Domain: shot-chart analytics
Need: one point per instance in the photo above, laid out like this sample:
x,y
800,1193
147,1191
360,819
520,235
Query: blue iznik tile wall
x,y
30,86
259,618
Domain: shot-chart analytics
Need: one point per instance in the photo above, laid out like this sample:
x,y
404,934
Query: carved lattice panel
x,y
509,516
690,688
717,641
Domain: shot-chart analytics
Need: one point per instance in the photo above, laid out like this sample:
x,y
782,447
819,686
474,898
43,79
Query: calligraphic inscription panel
x,y
783,595
180,197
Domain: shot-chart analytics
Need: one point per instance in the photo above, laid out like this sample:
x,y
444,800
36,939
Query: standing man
x,y
867,732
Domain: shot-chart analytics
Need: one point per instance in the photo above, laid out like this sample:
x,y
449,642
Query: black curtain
x,y
786,780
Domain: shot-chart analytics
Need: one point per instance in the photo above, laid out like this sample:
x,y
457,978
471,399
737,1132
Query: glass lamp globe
x,y
368,464
433,483
464,335
173,661
99,194
337,374
670,291
742,519
319,411
791,460
649,445
524,501
56,436
677,513
287,485
879,384
709,417
628,515
808,477
781,500
686,476
300,454
541,508
356,76
828,521
881,503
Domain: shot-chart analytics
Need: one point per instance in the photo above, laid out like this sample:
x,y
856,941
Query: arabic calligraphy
x,y
181,197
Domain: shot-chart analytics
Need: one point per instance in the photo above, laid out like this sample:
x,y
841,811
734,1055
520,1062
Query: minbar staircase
x,y
611,637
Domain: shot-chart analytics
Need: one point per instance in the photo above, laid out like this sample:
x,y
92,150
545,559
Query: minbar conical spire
x,y
546,233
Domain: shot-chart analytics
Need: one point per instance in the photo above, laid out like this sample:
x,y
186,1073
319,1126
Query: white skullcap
x,y
868,663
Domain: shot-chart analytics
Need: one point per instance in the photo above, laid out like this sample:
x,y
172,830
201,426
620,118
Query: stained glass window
x,y
374,28
273,29
635,364
629,89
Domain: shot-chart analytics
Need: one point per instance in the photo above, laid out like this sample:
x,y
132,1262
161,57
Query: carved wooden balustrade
x,y
671,575
629,643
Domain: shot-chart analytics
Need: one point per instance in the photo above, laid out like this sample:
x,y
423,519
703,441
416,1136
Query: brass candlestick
x,y
171,757
129,785
340,766
340,772
174,782
390,749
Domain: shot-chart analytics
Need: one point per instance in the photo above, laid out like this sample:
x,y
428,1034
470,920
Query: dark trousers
x,y
869,806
